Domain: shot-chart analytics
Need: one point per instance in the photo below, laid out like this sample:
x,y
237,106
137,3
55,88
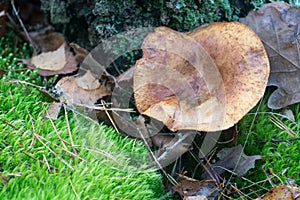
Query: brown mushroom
x,y
206,80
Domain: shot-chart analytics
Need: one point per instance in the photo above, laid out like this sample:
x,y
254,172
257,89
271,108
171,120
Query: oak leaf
x,y
278,26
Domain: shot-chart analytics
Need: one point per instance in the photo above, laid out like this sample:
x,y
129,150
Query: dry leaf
x,y
45,39
230,157
52,61
75,95
87,81
277,25
194,189
205,80
198,197
60,61
53,111
80,53
282,192
288,114
172,148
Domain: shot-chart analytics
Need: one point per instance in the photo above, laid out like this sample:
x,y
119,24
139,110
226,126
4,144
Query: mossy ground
x,y
33,168
281,160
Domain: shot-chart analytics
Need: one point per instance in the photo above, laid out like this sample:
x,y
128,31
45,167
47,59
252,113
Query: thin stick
x,y
22,24
31,143
277,114
77,196
26,83
108,115
57,133
69,152
268,178
46,161
69,130
282,126
9,124
100,152
102,108
37,137
30,156
170,178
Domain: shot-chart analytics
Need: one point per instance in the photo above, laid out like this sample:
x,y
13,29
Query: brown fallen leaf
x,y
52,60
277,25
60,61
53,111
80,53
171,148
45,39
87,81
288,114
72,94
282,192
194,189
233,158
206,80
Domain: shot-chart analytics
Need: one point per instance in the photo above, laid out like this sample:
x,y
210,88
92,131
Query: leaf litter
x,y
86,88
278,26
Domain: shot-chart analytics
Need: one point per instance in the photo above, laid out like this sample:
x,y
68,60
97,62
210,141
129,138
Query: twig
x,y
287,140
69,130
69,152
276,114
30,156
55,154
238,191
9,124
26,83
31,143
46,161
22,24
102,108
170,178
281,125
100,152
57,133
77,196
268,178
108,115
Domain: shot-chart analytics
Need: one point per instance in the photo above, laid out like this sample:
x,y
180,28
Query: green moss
x,y
282,158
119,175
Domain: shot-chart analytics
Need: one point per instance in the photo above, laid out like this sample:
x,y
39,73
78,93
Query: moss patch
x,y
107,166
282,158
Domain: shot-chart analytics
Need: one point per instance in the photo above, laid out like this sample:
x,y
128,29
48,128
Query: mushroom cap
x,y
242,61
206,80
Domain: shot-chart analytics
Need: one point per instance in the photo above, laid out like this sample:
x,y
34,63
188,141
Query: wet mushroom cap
x,y
206,80
242,61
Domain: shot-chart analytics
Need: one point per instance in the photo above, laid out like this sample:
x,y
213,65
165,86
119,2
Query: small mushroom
x,y
206,80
